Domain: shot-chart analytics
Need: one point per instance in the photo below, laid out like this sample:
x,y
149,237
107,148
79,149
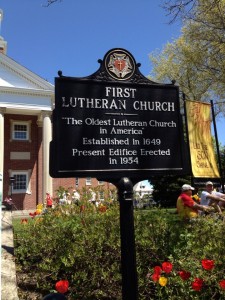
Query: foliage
x,y
75,243
82,246
196,59
61,191
167,189
187,255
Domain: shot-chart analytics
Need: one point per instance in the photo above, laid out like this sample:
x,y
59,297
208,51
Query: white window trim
x,y
28,187
88,180
101,193
15,122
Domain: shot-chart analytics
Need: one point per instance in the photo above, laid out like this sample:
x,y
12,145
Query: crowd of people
x,y
75,198
190,205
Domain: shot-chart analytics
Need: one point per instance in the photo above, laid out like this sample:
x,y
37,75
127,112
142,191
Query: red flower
x,y
155,277
157,270
207,264
184,275
197,284
33,214
222,284
62,286
167,267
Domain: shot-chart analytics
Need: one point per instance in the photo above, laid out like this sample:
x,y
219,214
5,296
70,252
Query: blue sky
x,y
71,35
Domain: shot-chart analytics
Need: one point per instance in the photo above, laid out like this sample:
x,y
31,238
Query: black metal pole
x,y
128,252
217,145
187,136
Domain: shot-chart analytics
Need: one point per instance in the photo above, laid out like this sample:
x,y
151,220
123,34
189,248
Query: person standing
x,y
76,197
49,200
92,196
187,208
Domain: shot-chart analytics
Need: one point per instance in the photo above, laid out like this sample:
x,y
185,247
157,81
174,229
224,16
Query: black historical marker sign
x,y
116,123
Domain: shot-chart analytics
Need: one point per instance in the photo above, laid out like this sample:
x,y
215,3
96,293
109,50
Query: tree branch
x,y
49,2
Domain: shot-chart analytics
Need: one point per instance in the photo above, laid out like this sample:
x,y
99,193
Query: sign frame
x,y
116,97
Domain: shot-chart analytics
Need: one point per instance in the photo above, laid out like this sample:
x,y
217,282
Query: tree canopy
x,y
196,60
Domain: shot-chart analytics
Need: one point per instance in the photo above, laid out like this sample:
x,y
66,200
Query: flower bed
x,y
82,246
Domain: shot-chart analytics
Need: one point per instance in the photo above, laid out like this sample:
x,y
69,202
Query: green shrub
x,y
83,247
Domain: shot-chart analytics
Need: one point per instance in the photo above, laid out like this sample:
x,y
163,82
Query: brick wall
x,y
22,201
35,164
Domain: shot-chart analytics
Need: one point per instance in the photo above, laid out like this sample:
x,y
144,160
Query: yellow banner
x,y
203,160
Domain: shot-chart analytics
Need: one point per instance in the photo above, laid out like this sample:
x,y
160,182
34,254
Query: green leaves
x,y
196,58
85,250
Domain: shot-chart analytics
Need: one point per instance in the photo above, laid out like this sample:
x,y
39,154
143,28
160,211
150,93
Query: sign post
x,y
117,126
128,252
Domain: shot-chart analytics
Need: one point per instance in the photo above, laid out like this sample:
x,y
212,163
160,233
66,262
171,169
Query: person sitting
x,y
187,208
210,197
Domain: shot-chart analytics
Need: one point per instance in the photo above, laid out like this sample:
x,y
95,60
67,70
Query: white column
x,y
2,111
47,137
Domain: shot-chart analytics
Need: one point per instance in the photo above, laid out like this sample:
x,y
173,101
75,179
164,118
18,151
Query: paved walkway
x,y
8,268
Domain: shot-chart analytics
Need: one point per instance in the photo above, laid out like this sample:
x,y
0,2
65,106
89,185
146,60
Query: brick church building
x,y
26,103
